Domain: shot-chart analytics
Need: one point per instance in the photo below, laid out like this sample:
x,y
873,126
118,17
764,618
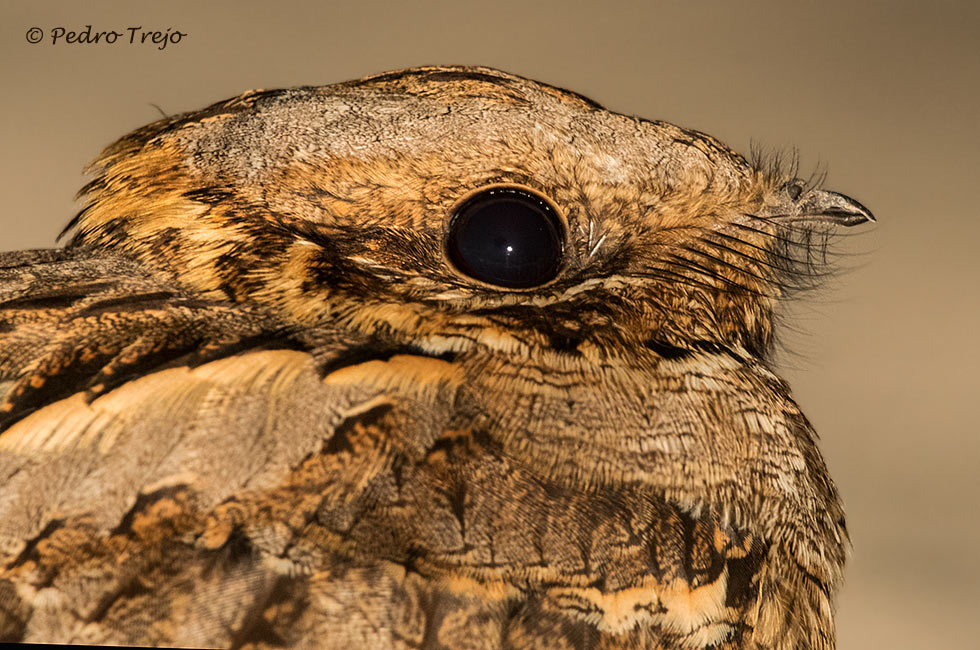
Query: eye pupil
x,y
507,237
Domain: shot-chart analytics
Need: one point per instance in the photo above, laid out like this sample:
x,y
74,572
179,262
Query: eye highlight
x,y
508,237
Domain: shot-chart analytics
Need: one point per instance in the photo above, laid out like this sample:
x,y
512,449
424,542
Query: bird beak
x,y
829,207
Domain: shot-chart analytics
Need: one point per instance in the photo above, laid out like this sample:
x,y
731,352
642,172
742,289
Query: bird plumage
x,y
252,402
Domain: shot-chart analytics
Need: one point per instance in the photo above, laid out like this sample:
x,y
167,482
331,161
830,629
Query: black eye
x,y
508,237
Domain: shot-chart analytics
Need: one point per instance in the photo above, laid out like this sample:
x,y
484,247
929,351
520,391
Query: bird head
x,y
464,208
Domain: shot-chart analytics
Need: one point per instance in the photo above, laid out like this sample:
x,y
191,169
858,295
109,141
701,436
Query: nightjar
x,y
438,358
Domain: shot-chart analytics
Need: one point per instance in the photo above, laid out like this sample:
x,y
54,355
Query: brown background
x,y
883,94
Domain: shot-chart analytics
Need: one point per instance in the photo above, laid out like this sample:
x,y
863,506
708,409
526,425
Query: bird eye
x,y
508,237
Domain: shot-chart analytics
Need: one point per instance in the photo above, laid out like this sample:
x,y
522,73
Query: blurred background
x,y
882,96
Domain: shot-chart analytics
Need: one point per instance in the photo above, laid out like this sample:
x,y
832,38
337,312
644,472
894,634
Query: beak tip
x,y
860,213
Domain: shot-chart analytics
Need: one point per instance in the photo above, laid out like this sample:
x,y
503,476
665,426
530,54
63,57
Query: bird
x,y
440,358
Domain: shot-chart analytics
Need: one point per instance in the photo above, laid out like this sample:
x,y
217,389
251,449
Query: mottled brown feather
x,y
252,404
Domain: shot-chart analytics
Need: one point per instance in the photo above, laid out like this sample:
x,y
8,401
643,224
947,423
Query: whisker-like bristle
x,y
717,259
743,242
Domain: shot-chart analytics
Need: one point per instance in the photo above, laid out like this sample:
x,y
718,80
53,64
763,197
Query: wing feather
x,y
207,477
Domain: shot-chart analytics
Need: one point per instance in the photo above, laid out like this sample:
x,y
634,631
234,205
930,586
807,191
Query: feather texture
x,y
252,403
